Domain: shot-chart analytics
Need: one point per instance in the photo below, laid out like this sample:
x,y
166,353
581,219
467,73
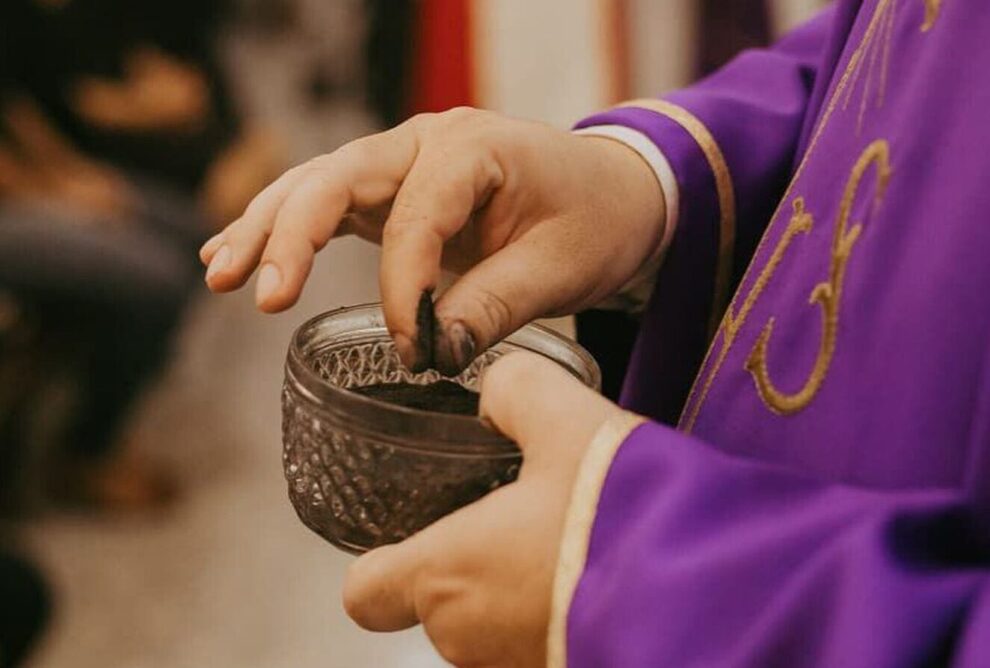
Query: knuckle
x,y
321,163
405,217
254,209
453,651
460,114
306,169
321,181
295,170
459,120
449,634
423,121
495,312
458,131
398,227
432,594
391,233
241,234
441,604
356,150
304,166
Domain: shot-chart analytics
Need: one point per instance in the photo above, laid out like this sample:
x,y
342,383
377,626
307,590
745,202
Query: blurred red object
x,y
443,74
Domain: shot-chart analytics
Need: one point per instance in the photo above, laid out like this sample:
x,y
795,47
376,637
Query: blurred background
x,y
143,514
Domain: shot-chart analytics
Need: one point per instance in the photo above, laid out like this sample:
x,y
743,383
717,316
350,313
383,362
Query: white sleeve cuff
x,y
635,295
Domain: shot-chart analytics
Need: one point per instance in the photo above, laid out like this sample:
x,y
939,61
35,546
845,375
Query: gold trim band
x,y
724,190
577,527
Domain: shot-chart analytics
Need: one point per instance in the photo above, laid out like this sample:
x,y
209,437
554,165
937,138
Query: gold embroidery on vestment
x,y
888,40
800,223
733,320
875,55
723,189
827,295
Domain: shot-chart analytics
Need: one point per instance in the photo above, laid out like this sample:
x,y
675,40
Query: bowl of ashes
x,y
373,452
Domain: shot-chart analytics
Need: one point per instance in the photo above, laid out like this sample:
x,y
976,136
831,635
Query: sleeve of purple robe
x,y
731,138
730,141
699,558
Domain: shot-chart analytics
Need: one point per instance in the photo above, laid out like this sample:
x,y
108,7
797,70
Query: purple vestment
x,y
825,499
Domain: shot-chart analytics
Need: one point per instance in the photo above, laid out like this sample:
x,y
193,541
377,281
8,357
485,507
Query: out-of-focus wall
x,y
786,14
663,38
547,60
558,60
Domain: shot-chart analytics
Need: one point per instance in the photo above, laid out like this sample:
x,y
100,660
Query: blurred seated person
x,y
138,85
24,609
107,263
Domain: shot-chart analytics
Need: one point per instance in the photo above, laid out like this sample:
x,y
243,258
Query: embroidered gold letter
x,y
882,27
827,294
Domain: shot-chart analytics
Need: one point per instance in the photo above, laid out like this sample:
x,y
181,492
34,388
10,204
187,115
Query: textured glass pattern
x,y
378,362
359,489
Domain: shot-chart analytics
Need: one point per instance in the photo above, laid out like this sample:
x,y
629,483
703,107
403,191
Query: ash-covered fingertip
x,y
455,349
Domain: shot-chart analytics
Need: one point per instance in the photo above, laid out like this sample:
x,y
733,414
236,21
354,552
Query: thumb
x,y
434,202
550,414
532,277
379,592
383,588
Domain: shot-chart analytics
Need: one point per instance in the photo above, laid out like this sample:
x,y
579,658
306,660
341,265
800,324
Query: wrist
x,y
637,202
644,194
639,146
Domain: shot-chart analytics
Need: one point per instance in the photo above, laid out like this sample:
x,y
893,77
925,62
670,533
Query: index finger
x,y
292,219
437,198
361,175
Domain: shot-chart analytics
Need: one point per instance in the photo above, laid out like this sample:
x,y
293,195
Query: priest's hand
x,y
480,580
537,221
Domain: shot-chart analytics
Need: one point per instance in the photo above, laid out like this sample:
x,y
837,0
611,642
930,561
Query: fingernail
x,y
462,344
455,349
269,280
219,262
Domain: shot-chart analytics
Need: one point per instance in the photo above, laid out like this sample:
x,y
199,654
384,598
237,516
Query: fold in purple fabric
x,y
699,558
